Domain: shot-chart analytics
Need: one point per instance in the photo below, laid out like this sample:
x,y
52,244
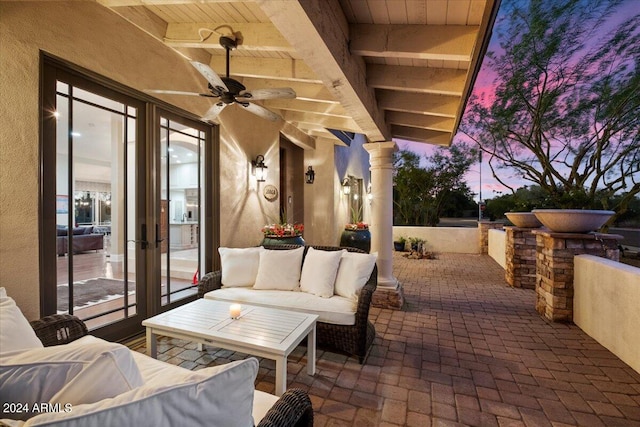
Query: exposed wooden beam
x,y
445,42
255,36
116,3
298,137
151,24
422,135
319,32
305,91
324,108
339,123
272,68
333,140
436,105
444,124
441,81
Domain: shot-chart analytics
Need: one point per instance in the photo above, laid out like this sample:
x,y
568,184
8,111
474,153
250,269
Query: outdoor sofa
x,y
53,373
343,311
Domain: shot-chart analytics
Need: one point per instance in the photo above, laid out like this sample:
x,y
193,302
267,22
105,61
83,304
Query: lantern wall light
x,y
309,175
346,186
259,169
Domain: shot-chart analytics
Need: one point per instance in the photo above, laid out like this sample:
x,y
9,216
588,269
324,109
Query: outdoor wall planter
x,y
360,239
572,220
523,219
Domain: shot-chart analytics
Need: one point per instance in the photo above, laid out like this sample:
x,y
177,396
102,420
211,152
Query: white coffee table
x,y
260,331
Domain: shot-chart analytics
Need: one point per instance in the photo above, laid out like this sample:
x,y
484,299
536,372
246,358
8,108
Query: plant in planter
x,y
356,234
282,233
400,244
417,244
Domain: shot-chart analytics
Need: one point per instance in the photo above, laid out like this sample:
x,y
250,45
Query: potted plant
x,y
416,244
400,244
282,233
356,234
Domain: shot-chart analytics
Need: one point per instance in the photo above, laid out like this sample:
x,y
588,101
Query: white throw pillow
x,y
319,271
353,273
16,332
85,371
239,266
220,396
279,269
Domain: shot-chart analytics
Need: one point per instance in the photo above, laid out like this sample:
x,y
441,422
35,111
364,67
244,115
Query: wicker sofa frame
x,y
354,339
292,409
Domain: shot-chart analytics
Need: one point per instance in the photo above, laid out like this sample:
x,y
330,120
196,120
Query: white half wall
x,y
461,240
606,305
498,246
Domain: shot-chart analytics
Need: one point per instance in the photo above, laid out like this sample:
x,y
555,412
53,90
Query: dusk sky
x,y
485,83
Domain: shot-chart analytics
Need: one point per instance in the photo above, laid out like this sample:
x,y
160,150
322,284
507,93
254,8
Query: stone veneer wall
x,y
388,298
520,270
485,226
555,267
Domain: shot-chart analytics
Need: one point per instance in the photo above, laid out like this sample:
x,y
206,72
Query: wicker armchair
x,y
292,409
352,339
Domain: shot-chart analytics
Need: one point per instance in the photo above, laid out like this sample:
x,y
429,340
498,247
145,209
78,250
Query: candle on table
x,y
235,310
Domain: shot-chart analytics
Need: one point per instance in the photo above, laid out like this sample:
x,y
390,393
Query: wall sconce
x,y
369,194
259,169
346,186
309,175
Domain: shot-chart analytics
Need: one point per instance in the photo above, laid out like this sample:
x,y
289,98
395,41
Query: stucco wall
x,y
605,305
498,246
443,239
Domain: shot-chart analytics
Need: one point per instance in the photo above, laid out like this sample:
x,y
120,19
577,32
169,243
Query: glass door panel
x,y
95,206
180,225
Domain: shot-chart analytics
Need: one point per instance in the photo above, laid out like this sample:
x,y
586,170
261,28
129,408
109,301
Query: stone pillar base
x,y
388,297
520,271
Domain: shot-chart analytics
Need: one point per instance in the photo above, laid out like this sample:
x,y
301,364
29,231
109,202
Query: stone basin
x,y
523,219
572,220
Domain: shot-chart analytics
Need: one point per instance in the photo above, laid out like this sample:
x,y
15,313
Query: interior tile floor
x,y
465,350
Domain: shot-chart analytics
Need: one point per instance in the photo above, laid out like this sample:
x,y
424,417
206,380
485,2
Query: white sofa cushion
x,y
336,310
15,331
279,269
84,371
353,273
239,266
221,396
319,271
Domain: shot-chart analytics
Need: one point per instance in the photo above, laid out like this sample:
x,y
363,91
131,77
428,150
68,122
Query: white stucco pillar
x,y
381,159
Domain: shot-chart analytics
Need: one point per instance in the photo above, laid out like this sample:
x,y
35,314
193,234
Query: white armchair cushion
x,y
353,273
239,266
279,269
319,271
85,371
221,396
15,331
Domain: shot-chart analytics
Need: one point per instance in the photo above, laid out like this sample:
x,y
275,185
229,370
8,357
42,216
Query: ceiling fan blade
x,y
260,111
275,93
173,92
210,75
212,113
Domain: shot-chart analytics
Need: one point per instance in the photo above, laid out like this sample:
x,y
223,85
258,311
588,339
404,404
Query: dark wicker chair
x,y
352,339
292,409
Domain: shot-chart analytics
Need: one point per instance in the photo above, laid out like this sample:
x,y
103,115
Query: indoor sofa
x,y
84,239
53,373
334,283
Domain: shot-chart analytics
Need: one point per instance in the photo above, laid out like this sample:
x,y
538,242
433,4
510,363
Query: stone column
x,y
554,267
520,248
484,227
389,292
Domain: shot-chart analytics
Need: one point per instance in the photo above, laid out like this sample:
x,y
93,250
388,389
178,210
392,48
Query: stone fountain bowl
x,y
523,219
572,220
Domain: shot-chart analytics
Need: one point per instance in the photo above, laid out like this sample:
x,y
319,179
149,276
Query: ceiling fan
x,y
229,91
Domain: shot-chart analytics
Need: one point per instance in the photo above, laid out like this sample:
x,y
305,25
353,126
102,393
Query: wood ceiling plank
x,y
255,36
422,135
436,105
272,68
437,12
340,123
443,124
453,42
323,108
424,80
320,34
458,12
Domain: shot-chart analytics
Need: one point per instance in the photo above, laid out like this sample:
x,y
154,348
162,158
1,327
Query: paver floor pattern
x,y
466,350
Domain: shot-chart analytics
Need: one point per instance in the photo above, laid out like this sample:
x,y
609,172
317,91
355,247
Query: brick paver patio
x,y
466,350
